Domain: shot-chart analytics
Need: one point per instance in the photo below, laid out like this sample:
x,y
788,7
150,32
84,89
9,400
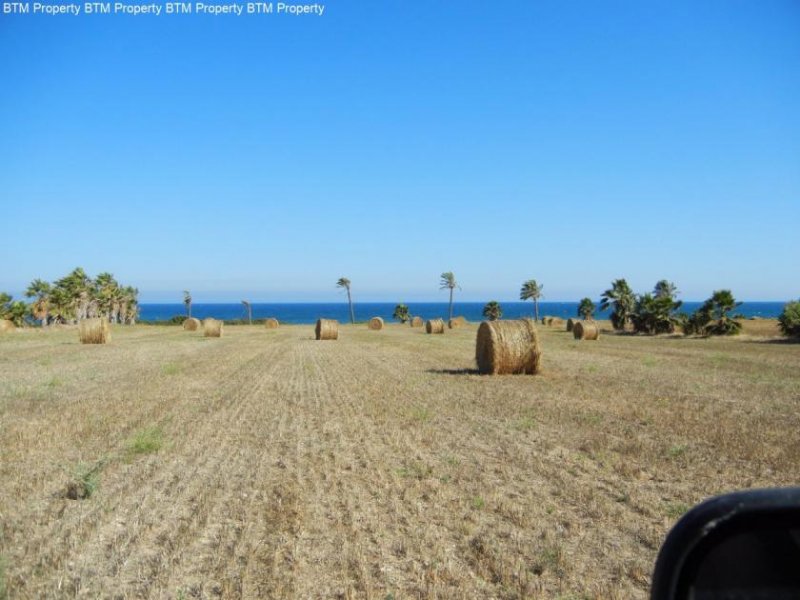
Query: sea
x,y
300,313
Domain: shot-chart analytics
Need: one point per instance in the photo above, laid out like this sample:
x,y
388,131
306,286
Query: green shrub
x,y
789,320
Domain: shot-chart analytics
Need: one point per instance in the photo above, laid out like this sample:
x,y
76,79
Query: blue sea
x,y
309,313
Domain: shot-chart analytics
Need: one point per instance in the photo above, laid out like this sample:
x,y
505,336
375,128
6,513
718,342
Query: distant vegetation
x,y
401,313
493,311
790,319
73,298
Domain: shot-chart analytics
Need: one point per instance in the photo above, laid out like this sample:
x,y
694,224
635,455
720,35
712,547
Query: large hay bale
x,y
191,324
6,325
375,323
456,322
508,347
570,324
271,323
586,330
434,326
212,328
94,331
327,329
417,322
556,322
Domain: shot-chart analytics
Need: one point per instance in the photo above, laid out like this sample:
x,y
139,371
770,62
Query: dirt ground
x,y
267,464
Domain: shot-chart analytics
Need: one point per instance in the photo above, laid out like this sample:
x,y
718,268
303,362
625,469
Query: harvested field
x,y
253,466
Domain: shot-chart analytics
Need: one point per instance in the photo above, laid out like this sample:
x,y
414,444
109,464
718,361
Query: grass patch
x,y
170,369
676,510
3,587
85,480
477,503
416,470
649,361
677,450
146,441
421,414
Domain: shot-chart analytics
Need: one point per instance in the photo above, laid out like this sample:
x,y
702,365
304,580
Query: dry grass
x,y
94,331
379,465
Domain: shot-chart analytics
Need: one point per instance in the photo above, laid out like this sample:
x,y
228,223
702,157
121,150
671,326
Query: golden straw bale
x,y
271,323
586,330
456,322
570,324
508,347
191,324
434,326
556,322
94,331
417,322
327,329
6,325
375,323
212,328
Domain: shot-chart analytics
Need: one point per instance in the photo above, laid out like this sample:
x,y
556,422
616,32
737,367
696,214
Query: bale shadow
x,y
454,371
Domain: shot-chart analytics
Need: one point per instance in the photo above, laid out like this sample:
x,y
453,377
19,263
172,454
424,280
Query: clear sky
x,y
265,157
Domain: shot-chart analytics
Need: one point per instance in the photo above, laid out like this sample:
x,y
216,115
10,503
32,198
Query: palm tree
x,y
492,310
586,309
718,309
532,291
401,313
5,305
665,289
130,304
187,301
448,282
41,290
344,282
107,295
621,297
249,309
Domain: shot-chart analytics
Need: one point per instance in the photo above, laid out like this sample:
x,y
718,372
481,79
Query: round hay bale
x,y
570,324
456,322
271,323
586,330
375,324
94,331
327,329
212,328
191,324
417,322
556,322
6,325
434,326
508,347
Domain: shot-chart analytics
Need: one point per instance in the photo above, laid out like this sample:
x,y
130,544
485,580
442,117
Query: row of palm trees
x,y
73,298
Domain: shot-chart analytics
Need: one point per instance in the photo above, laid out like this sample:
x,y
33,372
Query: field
x,y
266,464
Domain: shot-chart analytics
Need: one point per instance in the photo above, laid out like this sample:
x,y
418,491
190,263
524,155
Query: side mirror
x,y
744,545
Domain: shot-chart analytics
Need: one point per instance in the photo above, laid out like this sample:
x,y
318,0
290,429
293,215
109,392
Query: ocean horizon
x,y
309,312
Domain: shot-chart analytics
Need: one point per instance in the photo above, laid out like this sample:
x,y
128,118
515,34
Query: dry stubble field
x,y
266,464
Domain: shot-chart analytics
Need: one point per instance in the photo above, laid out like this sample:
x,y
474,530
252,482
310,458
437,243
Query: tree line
x,y
73,298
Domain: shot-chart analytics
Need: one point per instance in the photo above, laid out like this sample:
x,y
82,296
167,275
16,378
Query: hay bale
x,y
544,320
570,324
271,323
6,325
94,331
417,322
586,330
327,329
191,324
508,347
434,326
456,322
212,328
375,324
556,322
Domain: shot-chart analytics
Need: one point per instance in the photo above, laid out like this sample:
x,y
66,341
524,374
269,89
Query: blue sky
x,y
264,157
